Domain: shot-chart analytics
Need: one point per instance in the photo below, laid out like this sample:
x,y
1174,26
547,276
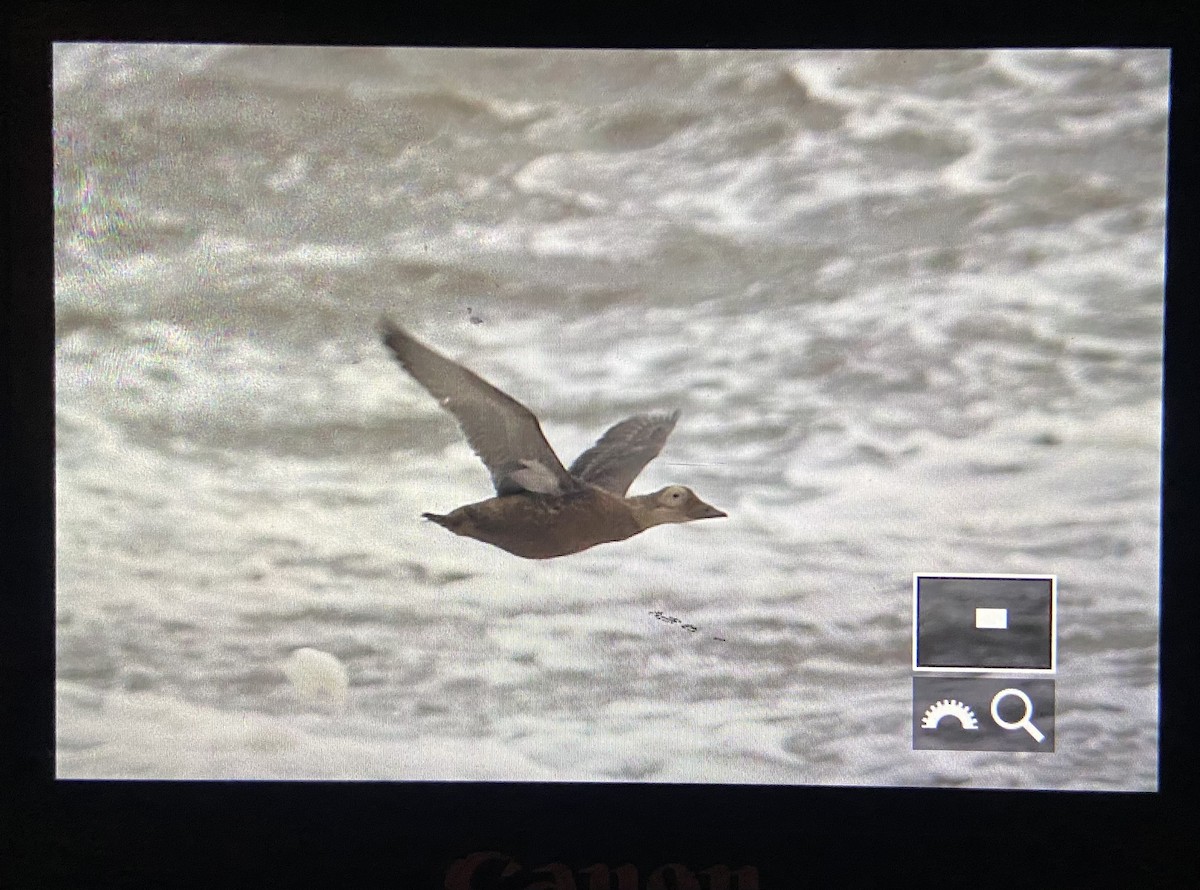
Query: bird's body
x,y
543,510
541,526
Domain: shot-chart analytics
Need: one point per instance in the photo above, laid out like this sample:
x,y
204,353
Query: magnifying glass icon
x,y
1025,721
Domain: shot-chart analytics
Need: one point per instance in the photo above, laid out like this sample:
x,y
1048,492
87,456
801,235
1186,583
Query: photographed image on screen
x,y
340,332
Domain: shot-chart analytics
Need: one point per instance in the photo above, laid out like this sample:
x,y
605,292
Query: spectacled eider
x,y
542,510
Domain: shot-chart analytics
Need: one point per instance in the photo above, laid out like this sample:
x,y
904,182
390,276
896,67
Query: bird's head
x,y
677,503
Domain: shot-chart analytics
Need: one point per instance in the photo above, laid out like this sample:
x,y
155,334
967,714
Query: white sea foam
x,y
317,675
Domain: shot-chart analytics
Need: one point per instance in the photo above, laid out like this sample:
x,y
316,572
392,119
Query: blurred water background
x,y
909,303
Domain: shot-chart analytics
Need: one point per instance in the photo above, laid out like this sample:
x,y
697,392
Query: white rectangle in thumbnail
x,y
991,619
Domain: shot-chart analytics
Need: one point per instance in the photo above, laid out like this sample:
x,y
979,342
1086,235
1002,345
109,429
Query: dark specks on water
x,y
758,239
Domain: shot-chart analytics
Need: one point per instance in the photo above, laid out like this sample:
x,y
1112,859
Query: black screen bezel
x,y
409,833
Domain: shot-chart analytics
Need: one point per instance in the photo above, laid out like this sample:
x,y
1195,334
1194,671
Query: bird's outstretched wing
x,y
504,433
615,461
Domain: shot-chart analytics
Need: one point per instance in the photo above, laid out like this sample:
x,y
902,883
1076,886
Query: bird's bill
x,y
707,511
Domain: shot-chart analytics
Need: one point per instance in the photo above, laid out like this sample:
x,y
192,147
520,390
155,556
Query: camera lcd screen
x,y
886,328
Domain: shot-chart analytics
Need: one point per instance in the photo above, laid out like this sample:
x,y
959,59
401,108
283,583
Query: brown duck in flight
x,y
542,510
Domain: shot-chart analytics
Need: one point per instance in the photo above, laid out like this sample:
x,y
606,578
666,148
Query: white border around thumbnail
x,y
1053,579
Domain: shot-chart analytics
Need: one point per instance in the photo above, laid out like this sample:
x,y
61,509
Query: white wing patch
x,y
534,476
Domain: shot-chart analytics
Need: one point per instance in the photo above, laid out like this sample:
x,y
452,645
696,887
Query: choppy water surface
x,y
910,305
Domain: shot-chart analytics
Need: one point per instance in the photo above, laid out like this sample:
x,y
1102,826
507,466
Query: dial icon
x,y
949,707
